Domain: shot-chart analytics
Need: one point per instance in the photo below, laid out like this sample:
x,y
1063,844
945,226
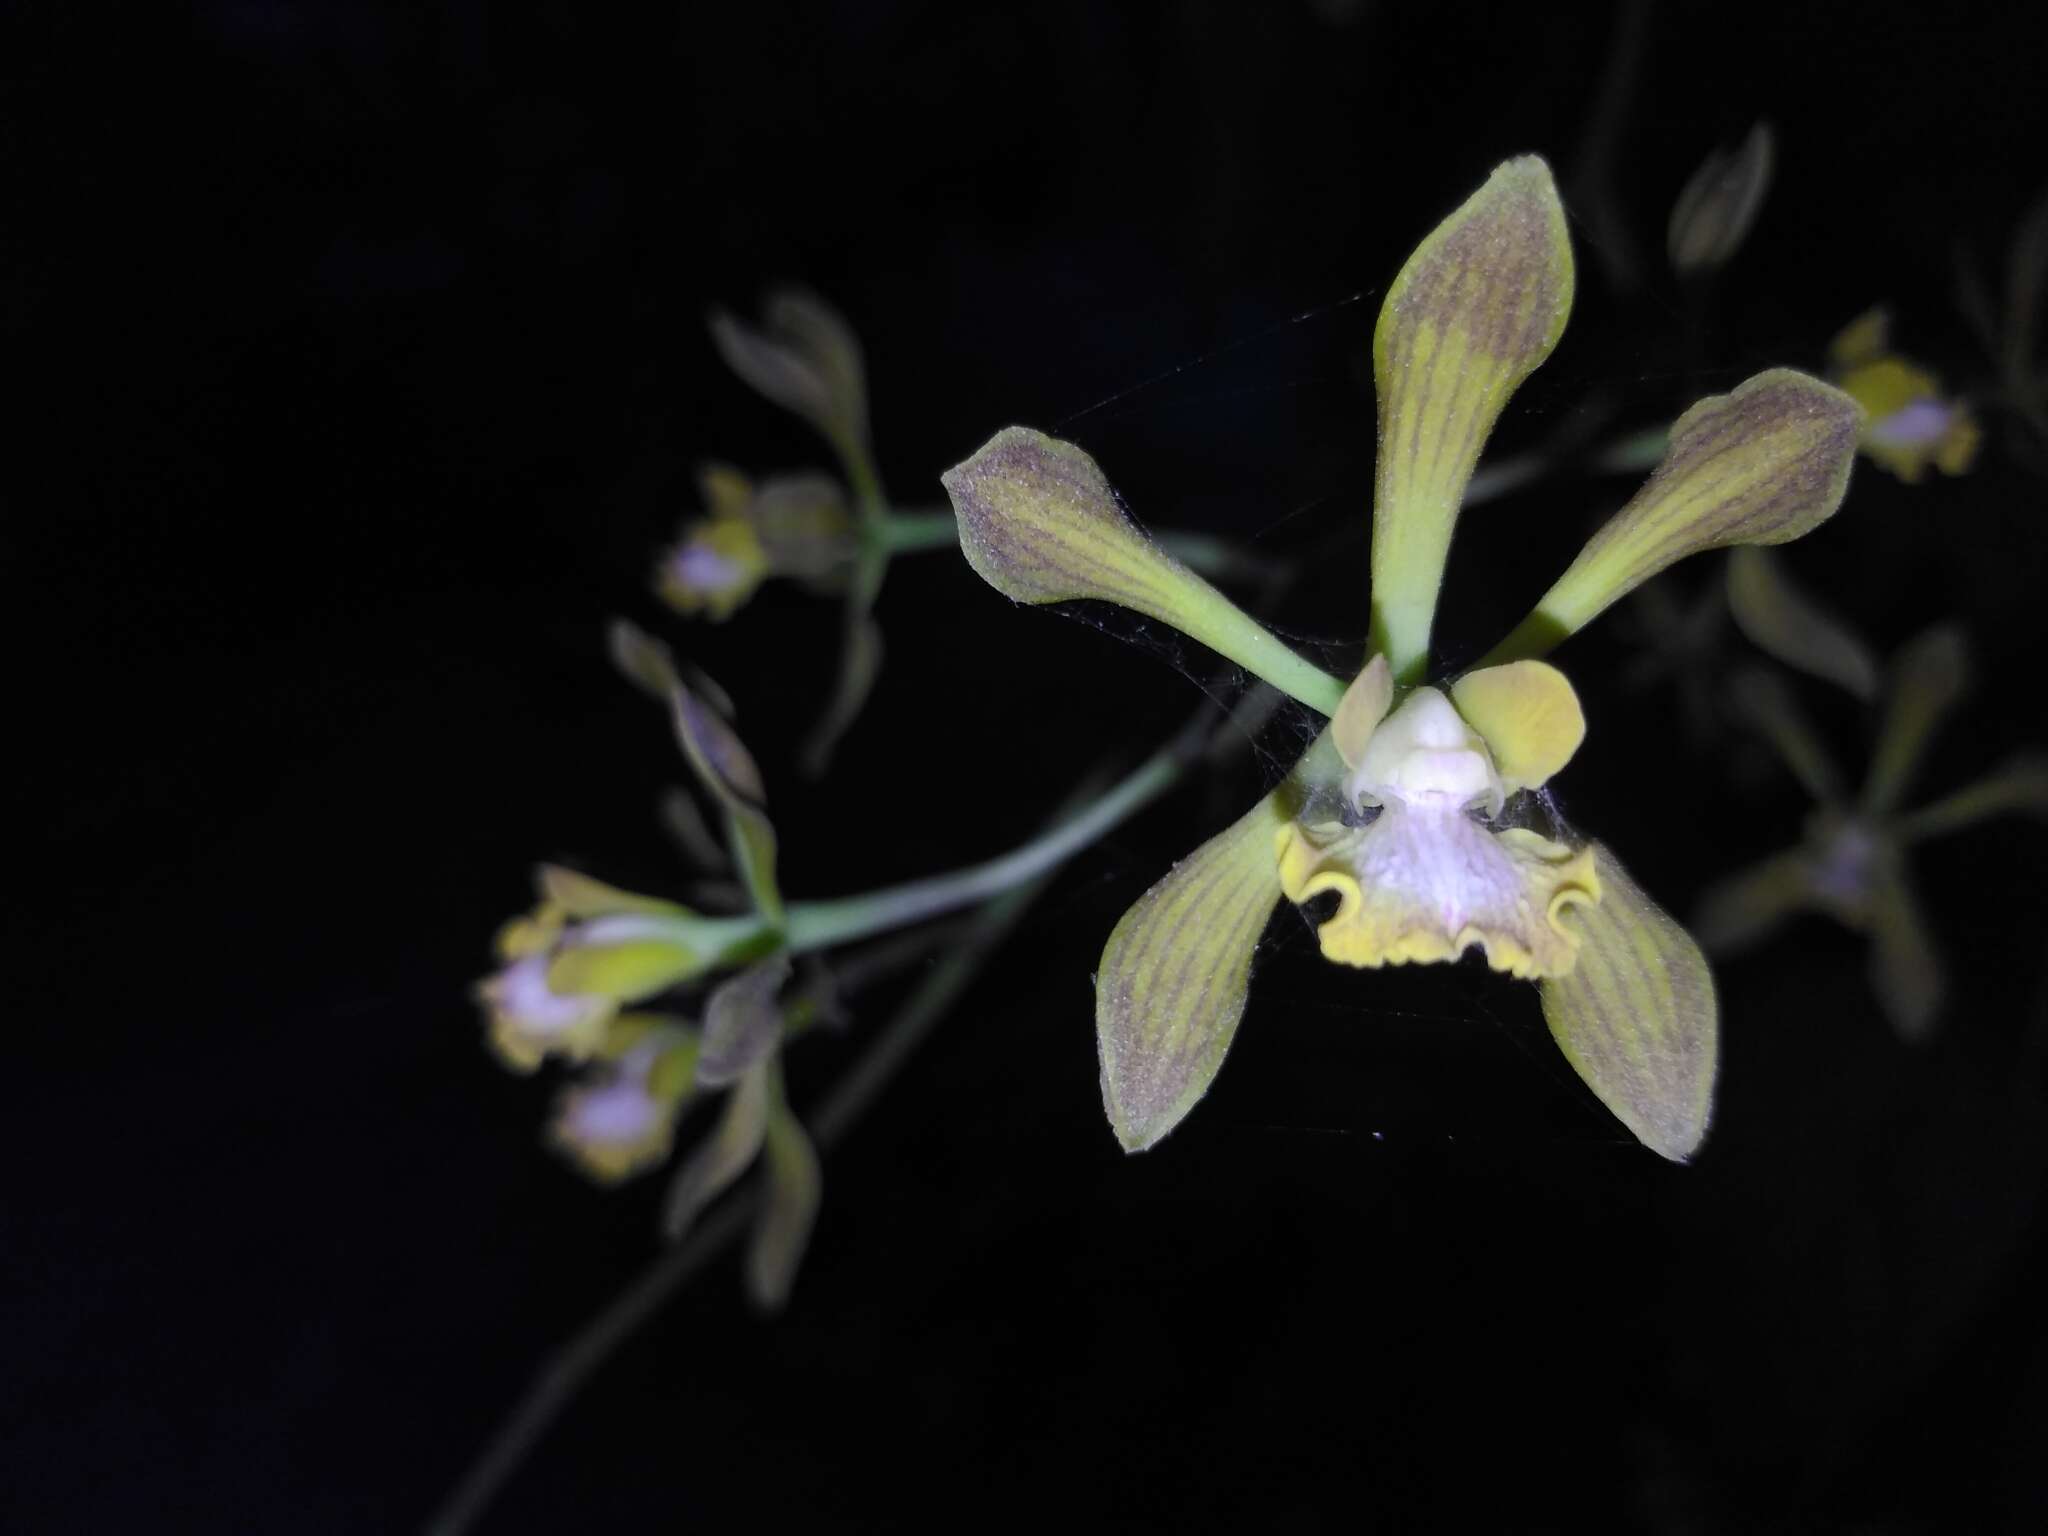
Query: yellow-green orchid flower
x,y
805,357
1420,805
620,1118
1908,423
796,526
1851,864
584,953
589,949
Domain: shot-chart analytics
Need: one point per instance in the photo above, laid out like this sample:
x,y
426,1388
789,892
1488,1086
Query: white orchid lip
x,y
699,568
1920,424
521,990
620,1108
530,1020
617,1113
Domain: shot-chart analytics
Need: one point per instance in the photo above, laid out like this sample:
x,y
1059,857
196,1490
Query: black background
x,y
361,367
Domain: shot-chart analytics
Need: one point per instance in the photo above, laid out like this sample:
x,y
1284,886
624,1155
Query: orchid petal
x,y
742,1022
530,1020
579,896
793,1187
1174,975
684,822
1715,212
1904,968
724,1155
1475,311
1529,715
1746,908
1418,886
727,490
2020,785
1928,677
860,663
713,570
1360,711
1783,621
1763,464
1762,699
1863,340
621,1119
625,966
806,359
805,527
716,755
1636,1017
1040,524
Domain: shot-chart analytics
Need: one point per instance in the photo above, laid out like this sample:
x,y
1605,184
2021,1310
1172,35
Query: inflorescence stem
x,y
822,924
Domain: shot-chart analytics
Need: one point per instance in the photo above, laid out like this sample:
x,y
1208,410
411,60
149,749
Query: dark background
x,y
360,369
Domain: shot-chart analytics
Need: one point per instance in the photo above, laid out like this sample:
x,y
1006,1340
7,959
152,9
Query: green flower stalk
x,y
1420,807
1851,864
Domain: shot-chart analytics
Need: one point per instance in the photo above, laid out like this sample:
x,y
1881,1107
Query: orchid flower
x,y
1909,423
1421,806
620,1119
806,358
1852,862
796,526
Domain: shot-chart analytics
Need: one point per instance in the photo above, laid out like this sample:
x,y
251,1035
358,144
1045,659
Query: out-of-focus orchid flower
x,y
795,526
620,1119
805,357
584,953
1909,423
1851,863
589,950
1421,805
